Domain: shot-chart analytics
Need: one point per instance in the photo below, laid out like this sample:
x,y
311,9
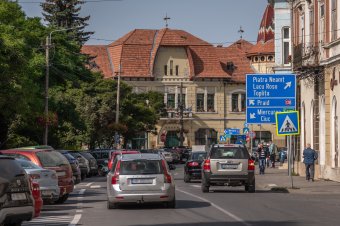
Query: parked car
x,y
120,152
139,178
16,200
48,158
47,180
228,164
74,165
193,168
167,155
84,164
92,163
103,157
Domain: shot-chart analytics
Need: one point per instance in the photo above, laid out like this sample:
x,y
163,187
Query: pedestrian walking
x,y
309,157
272,153
263,154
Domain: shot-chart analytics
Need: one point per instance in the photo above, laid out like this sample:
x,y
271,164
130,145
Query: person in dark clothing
x,y
263,154
309,157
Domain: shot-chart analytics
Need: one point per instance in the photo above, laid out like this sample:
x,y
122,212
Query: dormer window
x,y
165,69
171,67
230,66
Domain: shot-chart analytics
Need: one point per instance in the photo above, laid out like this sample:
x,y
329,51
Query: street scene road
x,y
307,205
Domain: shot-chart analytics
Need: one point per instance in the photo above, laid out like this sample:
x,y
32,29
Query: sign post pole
x,y
291,160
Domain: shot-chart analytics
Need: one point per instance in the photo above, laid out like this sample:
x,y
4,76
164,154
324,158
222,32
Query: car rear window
x,y
198,156
140,167
51,159
229,153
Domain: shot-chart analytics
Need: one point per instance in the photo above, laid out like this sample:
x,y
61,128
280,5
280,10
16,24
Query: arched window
x,y
205,136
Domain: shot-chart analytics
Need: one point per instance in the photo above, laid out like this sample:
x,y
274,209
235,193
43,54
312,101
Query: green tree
x,y
21,61
66,14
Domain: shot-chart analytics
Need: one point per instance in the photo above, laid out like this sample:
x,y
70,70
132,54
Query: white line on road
x,y
89,184
217,207
195,186
82,191
75,220
95,186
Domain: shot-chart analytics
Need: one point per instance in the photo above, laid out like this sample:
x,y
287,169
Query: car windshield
x,y
28,165
198,156
140,167
228,153
51,159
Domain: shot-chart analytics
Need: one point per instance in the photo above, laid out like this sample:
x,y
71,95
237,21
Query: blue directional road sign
x,y
268,94
232,131
287,123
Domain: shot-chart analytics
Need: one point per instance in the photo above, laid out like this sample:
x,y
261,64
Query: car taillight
x,y
35,176
167,176
115,177
206,165
251,164
193,164
35,190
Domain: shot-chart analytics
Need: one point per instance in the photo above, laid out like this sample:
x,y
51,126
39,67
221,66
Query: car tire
x,y
62,199
111,205
186,178
205,188
251,187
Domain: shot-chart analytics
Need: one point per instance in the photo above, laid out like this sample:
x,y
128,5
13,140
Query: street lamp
x,y
47,47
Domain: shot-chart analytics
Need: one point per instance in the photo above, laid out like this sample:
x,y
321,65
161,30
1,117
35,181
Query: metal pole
x,y
225,106
47,47
117,108
181,115
291,160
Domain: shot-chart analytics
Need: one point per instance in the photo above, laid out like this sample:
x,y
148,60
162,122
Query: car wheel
x,y
62,199
186,178
171,204
246,187
111,205
251,187
205,188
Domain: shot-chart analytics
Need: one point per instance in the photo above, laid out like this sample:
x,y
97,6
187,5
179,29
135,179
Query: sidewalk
x,y
278,179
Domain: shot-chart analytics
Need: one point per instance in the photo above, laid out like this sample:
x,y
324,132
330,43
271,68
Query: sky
x,y
215,21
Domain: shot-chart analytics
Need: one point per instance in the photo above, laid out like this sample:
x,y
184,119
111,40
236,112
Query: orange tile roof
x,y
262,48
135,54
102,62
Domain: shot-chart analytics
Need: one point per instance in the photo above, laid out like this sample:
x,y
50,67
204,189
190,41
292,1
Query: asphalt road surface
x,y
222,206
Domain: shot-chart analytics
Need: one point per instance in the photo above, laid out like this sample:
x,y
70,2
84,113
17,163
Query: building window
x,y
165,69
170,104
179,100
211,102
262,58
322,23
200,102
256,59
302,30
311,26
171,67
286,45
334,20
238,102
177,69
234,102
204,136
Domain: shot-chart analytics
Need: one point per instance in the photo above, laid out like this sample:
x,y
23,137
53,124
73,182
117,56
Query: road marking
x,y
96,186
49,221
175,174
79,211
217,207
195,186
82,191
89,184
75,220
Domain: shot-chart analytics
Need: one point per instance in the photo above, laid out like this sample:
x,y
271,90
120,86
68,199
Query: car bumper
x,y
66,189
195,173
50,192
229,179
16,214
115,195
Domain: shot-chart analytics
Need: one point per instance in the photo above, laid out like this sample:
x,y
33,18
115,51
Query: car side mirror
x,y
172,167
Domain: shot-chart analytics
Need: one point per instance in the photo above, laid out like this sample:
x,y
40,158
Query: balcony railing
x,y
305,54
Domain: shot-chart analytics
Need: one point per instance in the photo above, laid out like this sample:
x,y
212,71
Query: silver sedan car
x,y
140,178
47,180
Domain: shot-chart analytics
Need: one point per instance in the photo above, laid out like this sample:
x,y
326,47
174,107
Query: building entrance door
x,y
172,140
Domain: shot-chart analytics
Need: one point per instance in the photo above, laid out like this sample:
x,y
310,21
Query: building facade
x,y
316,62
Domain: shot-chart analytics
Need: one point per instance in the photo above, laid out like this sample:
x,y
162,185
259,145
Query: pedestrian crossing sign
x,y
287,123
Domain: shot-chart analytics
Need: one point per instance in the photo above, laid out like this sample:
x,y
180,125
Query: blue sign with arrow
x,y
268,94
287,123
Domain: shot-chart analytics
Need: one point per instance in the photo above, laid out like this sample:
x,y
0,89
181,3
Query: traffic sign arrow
x,y
288,84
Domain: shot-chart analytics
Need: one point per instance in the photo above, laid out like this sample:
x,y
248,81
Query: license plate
x,y
229,166
61,173
141,181
18,196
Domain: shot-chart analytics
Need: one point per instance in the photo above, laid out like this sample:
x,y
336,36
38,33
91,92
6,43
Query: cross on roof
x,y
166,18
240,32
